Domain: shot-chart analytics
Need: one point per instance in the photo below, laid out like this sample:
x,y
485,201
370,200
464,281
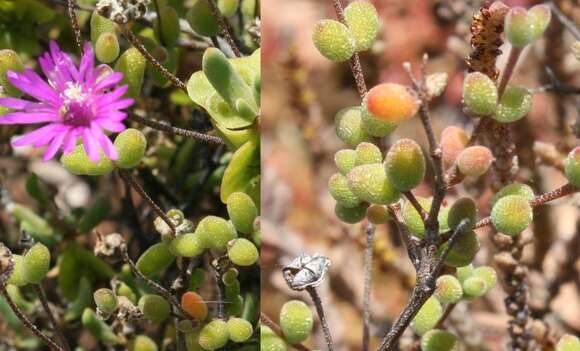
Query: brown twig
x,y
368,275
71,5
508,70
224,28
413,200
276,329
44,302
322,316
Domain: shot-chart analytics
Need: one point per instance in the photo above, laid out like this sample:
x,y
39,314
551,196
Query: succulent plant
x,y
296,321
511,214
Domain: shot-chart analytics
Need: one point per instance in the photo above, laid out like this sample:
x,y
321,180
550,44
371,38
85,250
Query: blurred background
x,y
302,93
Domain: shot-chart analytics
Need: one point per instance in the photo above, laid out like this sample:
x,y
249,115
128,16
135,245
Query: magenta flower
x,y
74,103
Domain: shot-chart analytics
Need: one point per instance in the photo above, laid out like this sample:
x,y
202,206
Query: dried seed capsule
x,y
214,335
540,16
572,167
194,305
78,162
515,103
474,161
142,343
106,300
201,19
464,272
405,164
479,94
568,342
519,28
345,160
514,189
370,183
228,8
427,317
341,192
448,289
413,220
378,214
363,21
373,126
334,40
186,245
155,259
474,287
132,64
436,83
107,48
242,212
511,214
168,33
269,341
368,153
18,274
439,340
461,209
453,141
131,145
154,307
242,252
215,232
464,250
391,102
349,126
350,215
9,61
240,330
36,263
488,275
100,25
296,321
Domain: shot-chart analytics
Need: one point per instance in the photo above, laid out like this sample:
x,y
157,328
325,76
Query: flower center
x,y
76,109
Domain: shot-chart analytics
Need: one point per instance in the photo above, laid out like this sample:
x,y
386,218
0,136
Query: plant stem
x,y
446,314
130,180
27,323
155,124
164,72
224,27
276,329
71,5
368,276
320,310
508,70
413,200
44,302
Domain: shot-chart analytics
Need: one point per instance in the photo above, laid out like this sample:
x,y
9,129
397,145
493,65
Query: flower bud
x,y
519,27
370,183
168,33
130,145
154,307
269,341
511,214
572,167
78,162
132,64
373,126
296,321
479,94
214,335
474,287
341,192
439,340
448,289
405,164
461,209
228,8
36,263
106,300
514,189
9,61
474,161
345,160
100,25
349,126
242,252
142,343
378,214
201,19
488,275
568,342
453,141
155,259
194,305
368,153
107,48
350,215
18,273
334,40
242,212
186,245
516,102
239,330
363,21
463,251
215,232
427,317
391,102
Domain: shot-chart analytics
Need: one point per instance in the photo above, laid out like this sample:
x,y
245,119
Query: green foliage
x,y
155,259
480,94
349,127
168,32
334,40
296,321
269,341
427,317
345,160
373,126
131,145
132,64
338,186
107,48
515,103
239,330
186,245
350,215
405,164
36,263
18,276
474,161
201,19
154,307
242,212
572,167
568,342
78,162
378,214
519,189
439,340
214,335
243,252
98,328
228,8
215,232
462,209
367,153
448,289
474,287
511,214
100,25
106,300
413,220
523,26
370,183
363,21
464,250
9,61
142,343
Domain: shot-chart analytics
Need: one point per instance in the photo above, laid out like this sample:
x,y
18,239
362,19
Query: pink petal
x,y
108,81
110,125
54,146
121,104
106,144
30,83
14,103
86,71
90,143
28,117
113,96
69,142
43,135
